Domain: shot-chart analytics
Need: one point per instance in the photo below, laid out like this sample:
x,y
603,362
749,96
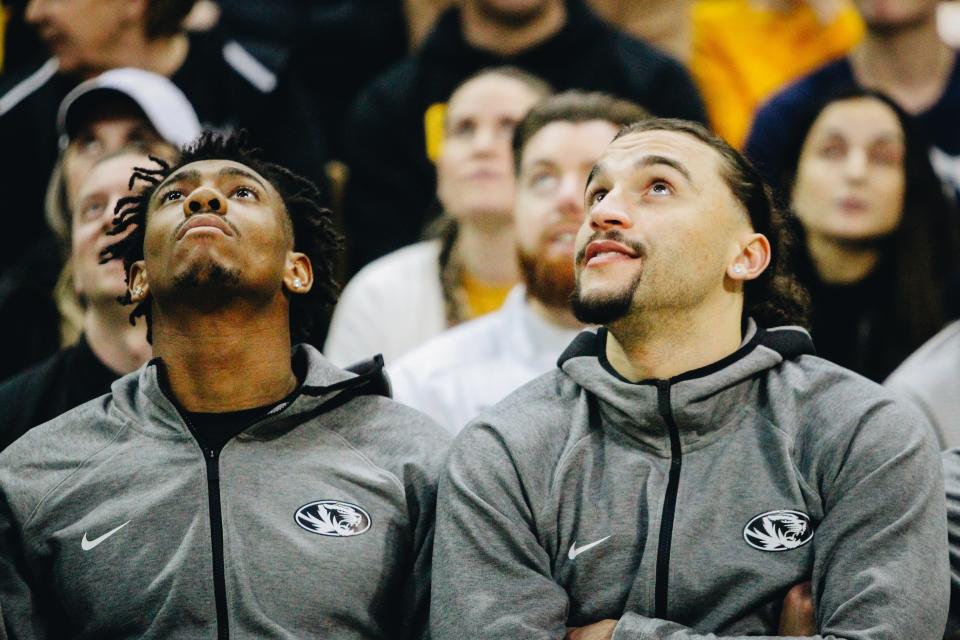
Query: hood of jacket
x,y
701,402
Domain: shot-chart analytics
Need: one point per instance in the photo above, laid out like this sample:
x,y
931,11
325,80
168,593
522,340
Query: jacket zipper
x,y
212,458
669,502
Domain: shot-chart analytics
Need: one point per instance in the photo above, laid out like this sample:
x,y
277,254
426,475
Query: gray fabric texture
x,y
127,457
951,481
550,509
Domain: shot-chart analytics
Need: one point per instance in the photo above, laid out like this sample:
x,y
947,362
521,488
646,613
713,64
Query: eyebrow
x,y
186,174
193,174
234,171
650,161
594,171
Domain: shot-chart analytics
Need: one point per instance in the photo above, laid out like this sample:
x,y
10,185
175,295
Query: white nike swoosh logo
x,y
574,552
86,545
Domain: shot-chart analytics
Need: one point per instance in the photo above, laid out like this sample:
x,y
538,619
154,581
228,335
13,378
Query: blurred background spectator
x,y
99,116
227,86
393,129
745,50
879,237
469,368
402,299
901,55
109,345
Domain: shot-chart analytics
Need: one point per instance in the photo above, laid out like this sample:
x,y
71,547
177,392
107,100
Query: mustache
x,y
233,227
615,236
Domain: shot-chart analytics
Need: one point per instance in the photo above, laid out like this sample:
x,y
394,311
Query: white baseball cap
x,y
161,101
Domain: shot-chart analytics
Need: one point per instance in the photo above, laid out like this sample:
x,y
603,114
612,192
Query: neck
x,y
121,346
557,316
163,56
911,65
488,253
232,359
841,263
667,343
486,32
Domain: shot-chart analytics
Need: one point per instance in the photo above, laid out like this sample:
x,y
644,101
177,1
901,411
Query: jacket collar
x,y
702,402
141,397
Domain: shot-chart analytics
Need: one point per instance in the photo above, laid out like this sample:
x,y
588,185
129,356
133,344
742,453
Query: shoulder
x,y
406,266
644,61
23,395
395,277
26,88
531,428
394,437
931,367
837,416
48,455
243,69
808,89
392,91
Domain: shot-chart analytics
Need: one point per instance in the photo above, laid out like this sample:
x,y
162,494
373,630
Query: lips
x,y
852,205
210,221
601,252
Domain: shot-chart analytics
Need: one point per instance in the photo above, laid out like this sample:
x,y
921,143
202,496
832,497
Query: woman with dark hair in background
x,y
879,236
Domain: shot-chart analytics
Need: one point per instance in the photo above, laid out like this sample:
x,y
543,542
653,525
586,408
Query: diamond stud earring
x,y
297,283
738,268
138,291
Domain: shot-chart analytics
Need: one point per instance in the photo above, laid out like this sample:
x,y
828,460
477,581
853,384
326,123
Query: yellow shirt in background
x,y
3,31
743,54
481,297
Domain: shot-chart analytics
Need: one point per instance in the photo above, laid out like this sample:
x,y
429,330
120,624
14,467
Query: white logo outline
x,y
574,552
348,520
778,530
87,545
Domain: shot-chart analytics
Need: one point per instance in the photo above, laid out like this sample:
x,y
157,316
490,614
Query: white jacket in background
x,y
392,305
475,365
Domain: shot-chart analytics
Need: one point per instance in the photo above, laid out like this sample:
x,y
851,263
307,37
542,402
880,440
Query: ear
x,y
298,273
753,259
137,281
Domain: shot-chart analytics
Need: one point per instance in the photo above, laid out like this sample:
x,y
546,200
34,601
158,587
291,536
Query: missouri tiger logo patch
x,y
779,530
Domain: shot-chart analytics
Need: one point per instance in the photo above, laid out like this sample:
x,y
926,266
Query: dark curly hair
x,y
313,231
776,297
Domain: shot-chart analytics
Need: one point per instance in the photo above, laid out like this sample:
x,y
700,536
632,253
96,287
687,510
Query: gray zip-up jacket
x,y
687,508
315,522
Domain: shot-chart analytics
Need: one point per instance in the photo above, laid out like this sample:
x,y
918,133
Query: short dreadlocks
x,y
313,231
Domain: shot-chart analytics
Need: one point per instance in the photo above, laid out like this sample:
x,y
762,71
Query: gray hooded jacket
x,y
315,522
687,508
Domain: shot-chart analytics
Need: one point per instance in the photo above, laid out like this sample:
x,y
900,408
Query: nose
x,y
485,140
855,166
205,200
609,214
569,197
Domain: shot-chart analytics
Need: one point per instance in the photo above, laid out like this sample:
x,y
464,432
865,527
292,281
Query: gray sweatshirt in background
x,y
314,522
687,508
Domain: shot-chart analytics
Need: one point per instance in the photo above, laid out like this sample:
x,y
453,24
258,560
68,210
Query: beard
x,y
209,276
604,308
548,279
610,306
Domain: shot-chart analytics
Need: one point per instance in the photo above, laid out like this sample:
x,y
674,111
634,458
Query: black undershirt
x,y
213,430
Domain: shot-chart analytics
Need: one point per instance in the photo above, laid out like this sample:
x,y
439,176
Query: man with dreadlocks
x,y
234,485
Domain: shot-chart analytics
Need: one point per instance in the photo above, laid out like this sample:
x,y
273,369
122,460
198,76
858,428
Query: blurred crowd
x,y
435,167
403,113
